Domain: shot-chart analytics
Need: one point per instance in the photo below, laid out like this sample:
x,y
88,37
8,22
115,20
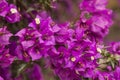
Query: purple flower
x,y
63,33
79,33
80,58
100,4
100,23
5,73
93,5
34,73
4,35
4,38
22,53
99,17
73,49
38,51
68,74
99,26
99,75
5,58
13,15
116,73
3,8
1,78
36,22
19,78
28,36
44,26
115,48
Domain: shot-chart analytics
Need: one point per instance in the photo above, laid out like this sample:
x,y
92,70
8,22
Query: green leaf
x,y
30,9
18,67
112,64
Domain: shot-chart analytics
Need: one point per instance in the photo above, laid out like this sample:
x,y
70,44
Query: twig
x,y
25,7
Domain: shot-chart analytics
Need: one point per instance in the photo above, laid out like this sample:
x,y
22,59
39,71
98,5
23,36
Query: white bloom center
x,y
13,10
37,20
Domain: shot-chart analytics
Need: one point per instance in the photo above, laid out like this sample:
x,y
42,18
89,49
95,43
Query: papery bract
x,y
3,8
13,15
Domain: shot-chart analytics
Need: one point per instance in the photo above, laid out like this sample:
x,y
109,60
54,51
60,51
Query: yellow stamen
x,y
73,59
77,48
99,50
13,10
1,33
37,51
81,64
37,20
25,54
92,58
77,72
7,55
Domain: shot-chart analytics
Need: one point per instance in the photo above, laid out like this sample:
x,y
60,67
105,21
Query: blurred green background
x,y
114,34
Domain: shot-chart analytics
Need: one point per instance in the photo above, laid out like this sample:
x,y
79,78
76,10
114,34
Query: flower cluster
x,y
73,51
5,57
99,16
9,11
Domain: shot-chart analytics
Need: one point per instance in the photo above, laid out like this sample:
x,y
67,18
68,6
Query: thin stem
x,y
25,7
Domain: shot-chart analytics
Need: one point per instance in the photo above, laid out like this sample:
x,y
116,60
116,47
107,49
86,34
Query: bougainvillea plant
x,y
32,38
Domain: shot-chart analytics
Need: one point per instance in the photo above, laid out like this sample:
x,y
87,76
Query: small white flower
x,y
13,10
37,20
